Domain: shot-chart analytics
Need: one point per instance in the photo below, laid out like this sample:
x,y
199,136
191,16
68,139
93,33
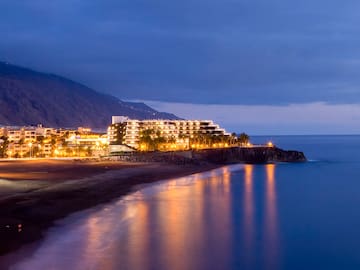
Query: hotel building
x,y
125,131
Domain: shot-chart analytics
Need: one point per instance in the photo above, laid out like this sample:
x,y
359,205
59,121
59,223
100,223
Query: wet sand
x,y
35,193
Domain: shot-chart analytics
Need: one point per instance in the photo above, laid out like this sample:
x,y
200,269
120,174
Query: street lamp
x,y
30,145
39,147
78,148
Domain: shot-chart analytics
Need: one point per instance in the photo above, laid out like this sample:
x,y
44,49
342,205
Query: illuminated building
x,y
39,141
125,131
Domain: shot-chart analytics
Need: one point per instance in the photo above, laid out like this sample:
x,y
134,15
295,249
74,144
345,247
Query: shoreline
x,y
30,207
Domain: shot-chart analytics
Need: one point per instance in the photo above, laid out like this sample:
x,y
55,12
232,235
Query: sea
x,y
272,216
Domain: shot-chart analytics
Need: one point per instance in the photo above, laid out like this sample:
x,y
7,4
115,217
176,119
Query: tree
x,y
171,139
89,151
40,144
21,143
152,139
146,138
243,139
233,139
40,139
4,143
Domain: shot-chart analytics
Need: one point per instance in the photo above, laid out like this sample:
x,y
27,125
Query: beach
x,y
35,193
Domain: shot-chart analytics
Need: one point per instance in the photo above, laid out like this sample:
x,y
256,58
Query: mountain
x,y
29,97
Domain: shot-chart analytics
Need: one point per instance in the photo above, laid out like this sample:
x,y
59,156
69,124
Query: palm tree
x,y
233,139
21,143
40,145
146,138
3,146
243,139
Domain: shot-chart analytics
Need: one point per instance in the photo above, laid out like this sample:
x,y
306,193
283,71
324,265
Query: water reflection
x,y
248,215
260,245
271,240
173,215
137,244
95,230
193,219
181,224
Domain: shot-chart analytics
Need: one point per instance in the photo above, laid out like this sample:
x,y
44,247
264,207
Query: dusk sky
x,y
265,67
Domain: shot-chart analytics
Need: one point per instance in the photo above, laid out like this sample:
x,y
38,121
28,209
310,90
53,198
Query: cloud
x,y
193,51
293,119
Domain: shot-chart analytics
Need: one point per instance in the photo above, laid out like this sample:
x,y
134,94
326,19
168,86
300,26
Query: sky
x,y
265,67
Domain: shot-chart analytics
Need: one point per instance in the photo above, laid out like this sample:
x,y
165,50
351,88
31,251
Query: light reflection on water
x,y
248,215
186,223
270,222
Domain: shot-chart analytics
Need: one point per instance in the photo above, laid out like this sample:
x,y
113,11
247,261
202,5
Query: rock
x,y
249,155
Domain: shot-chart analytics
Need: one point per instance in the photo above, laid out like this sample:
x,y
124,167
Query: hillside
x,y
28,97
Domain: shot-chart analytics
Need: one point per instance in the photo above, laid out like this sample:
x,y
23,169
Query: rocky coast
x,y
220,156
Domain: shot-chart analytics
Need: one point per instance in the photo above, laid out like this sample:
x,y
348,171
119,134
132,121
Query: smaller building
x,y
89,144
39,141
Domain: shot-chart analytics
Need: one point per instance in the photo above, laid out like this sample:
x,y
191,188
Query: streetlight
x,y
78,148
30,145
39,147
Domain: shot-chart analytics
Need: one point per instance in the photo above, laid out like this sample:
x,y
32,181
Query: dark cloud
x,y
198,51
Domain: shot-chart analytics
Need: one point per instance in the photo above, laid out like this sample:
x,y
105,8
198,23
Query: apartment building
x,y
39,141
26,134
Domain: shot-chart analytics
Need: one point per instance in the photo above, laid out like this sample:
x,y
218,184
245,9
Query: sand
x,y
35,193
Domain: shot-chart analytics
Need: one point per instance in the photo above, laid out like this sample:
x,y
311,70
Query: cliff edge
x,y
249,155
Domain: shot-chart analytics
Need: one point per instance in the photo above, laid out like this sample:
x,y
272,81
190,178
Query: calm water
x,y
283,216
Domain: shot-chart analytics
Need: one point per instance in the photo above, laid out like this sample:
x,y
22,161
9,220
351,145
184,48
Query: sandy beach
x,y
35,193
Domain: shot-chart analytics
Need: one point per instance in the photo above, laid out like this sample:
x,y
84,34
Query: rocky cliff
x,y
249,155
253,155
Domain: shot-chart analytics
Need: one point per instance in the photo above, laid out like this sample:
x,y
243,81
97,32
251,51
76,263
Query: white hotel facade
x,y
127,131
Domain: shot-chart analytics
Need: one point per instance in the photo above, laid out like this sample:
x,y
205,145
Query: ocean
x,y
274,216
